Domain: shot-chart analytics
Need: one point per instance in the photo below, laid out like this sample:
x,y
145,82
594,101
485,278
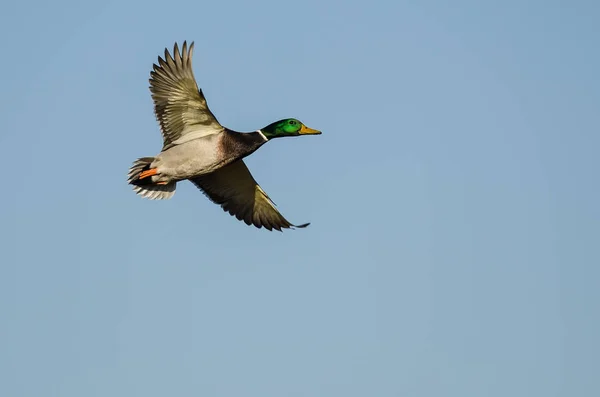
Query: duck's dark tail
x,y
140,176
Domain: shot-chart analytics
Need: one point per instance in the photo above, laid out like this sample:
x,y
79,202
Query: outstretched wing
x,y
236,191
179,105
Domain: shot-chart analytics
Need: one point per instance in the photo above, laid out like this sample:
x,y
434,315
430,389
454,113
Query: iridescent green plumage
x,y
287,127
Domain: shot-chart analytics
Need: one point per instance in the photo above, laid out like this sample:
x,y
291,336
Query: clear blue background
x,y
454,197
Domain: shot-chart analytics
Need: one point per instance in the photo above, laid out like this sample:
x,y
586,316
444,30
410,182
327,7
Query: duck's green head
x,y
287,127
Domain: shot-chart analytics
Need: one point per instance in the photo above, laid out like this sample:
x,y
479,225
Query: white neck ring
x,y
263,135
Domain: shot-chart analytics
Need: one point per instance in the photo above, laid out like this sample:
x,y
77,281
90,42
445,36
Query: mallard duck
x,y
198,148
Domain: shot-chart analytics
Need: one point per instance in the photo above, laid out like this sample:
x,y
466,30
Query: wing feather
x,y
180,107
235,190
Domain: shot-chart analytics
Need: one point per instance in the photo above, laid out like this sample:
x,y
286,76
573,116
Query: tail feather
x,y
145,187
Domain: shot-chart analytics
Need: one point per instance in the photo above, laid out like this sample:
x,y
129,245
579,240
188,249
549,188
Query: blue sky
x,y
453,197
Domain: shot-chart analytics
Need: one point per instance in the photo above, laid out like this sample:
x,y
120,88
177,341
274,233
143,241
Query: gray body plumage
x,y
189,159
204,155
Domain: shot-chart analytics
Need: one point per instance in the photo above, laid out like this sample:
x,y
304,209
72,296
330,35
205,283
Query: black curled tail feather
x,y
145,187
140,165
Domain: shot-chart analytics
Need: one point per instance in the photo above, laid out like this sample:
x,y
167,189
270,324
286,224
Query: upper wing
x,y
179,105
234,188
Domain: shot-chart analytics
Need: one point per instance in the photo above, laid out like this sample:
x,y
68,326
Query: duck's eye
x,y
292,122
